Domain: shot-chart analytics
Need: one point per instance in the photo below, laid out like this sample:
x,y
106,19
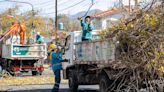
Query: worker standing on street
x,y
51,47
87,28
56,59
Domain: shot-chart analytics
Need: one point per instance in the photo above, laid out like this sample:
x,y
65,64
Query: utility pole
x,y
129,6
136,3
56,13
120,4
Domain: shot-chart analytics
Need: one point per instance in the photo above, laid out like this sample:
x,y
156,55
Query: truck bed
x,y
95,52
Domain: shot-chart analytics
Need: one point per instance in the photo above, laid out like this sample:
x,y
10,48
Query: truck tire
x,y
73,83
40,72
104,83
34,73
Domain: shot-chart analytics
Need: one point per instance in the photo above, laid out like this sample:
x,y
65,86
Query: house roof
x,y
109,12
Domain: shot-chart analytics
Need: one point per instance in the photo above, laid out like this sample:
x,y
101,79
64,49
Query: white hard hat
x,y
38,33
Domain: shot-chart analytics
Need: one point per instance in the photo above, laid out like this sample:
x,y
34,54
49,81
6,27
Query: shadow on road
x,y
49,90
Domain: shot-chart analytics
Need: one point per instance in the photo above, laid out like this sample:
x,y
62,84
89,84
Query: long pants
x,y
83,39
57,80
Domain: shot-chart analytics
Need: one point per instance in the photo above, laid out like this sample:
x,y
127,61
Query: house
x,y
108,18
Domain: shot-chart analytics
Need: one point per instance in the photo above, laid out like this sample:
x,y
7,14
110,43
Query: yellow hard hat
x,y
53,46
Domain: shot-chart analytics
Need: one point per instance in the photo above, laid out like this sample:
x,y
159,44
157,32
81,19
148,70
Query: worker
x,y
87,28
51,46
56,59
39,38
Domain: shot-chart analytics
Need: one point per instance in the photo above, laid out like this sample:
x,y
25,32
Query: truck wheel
x,y
73,84
40,72
34,73
104,83
12,73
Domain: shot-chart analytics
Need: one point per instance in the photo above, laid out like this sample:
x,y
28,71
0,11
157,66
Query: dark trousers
x,y
57,80
83,39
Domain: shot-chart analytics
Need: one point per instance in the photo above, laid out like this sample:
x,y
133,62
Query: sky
x,y
47,7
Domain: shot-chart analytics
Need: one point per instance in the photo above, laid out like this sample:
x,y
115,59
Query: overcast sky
x,y
47,7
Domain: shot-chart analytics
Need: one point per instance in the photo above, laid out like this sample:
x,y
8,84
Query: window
x,y
95,37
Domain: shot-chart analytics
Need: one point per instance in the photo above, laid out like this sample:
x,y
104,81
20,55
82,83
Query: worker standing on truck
x,y
56,59
39,38
87,28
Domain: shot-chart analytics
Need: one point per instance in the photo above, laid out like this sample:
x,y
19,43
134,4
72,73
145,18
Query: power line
x,y
22,3
85,4
48,13
43,3
65,8
52,7
66,2
48,3
92,3
72,5
60,4
63,2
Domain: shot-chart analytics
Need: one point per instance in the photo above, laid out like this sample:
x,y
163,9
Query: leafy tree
x,y
7,17
69,24
31,19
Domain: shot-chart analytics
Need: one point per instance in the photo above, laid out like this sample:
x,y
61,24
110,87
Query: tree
x,y
29,18
7,17
69,24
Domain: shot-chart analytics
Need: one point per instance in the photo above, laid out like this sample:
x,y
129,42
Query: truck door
x,y
68,51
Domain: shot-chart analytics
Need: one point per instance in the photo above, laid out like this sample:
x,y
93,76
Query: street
x,y
47,88
36,84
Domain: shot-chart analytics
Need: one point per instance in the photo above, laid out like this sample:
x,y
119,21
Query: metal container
x,y
95,51
61,26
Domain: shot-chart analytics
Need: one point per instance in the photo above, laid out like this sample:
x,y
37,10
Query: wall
x,y
97,23
106,22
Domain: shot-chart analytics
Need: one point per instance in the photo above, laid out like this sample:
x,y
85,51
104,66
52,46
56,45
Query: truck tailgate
x,y
93,52
14,51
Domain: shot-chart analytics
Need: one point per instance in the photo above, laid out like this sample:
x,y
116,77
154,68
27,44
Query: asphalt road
x,y
47,88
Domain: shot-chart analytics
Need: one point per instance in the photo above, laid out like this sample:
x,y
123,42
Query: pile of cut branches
x,y
141,46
